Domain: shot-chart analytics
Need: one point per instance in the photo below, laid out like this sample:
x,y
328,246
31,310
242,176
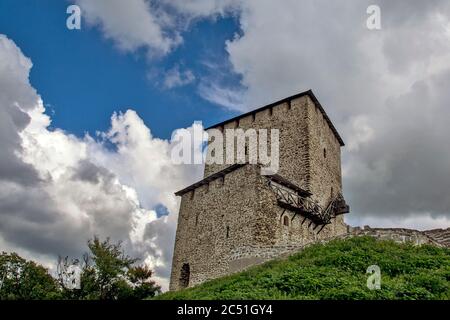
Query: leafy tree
x,y
103,273
106,274
25,280
143,287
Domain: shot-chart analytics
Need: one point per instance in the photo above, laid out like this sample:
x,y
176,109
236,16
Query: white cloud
x,y
226,97
204,8
177,78
76,188
132,24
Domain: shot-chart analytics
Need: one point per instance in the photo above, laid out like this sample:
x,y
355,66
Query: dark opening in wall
x,y
332,192
222,180
184,275
324,153
270,111
286,221
253,116
228,231
289,105
192,194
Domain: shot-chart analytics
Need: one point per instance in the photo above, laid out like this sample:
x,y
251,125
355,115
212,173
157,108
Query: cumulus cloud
x,y
57,190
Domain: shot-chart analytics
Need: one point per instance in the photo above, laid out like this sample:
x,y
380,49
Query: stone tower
x,y
236,217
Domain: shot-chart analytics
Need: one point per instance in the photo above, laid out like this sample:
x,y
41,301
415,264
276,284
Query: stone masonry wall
x,y
324,157
212,220
245,208
291,121
261,254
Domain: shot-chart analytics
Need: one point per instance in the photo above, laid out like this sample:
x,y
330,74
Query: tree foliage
x,y
25,280
106,273
103,273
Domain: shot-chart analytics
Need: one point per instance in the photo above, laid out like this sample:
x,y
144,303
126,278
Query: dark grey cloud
x,y
13,99
89,172
405,169
385,90
165,231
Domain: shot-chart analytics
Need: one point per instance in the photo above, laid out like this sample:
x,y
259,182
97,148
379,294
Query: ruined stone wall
x,y
440,235
291,121
246,256
400,235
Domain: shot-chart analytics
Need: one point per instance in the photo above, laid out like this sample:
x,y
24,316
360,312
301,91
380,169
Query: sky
x,y
88,117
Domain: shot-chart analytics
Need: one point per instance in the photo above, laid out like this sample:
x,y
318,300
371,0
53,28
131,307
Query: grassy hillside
x,y
337,270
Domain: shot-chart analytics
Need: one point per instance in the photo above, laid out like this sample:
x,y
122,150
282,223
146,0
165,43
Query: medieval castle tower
x,y
236,217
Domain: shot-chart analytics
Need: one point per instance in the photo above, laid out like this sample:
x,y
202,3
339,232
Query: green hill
x,y
337,270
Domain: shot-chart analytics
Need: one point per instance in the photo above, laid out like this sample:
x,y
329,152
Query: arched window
x,y
286,221
184,275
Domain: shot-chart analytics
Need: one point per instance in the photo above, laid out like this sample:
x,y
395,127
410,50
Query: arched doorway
x,y
184,275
